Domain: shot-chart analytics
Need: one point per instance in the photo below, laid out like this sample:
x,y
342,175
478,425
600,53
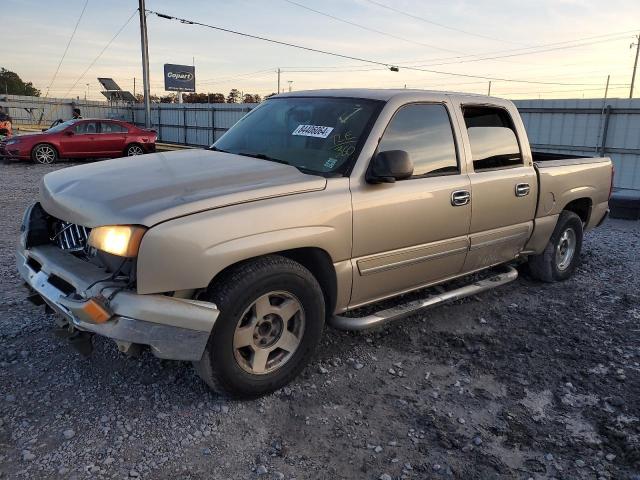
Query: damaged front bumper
x,y
174,328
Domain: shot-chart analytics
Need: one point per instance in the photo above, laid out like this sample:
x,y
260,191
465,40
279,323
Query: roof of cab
x,y
375,93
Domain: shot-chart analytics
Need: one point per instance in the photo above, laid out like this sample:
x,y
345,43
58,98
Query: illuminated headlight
x,y
121,240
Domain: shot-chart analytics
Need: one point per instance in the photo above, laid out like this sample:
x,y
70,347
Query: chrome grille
x,y
70,237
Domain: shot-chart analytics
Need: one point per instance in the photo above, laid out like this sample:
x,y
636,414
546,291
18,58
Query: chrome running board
x,y
400,311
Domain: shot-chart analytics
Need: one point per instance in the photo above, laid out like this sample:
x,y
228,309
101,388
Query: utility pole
x,y
145,63
635,64
604,107
134,86
278,79
489,92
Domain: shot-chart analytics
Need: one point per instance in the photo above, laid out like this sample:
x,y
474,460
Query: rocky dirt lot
x,y
528,381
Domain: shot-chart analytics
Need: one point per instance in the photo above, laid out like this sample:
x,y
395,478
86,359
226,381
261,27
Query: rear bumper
x,y
173,328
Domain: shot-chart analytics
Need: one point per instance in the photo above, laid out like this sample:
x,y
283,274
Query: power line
x,y
364,27
75,28
213,81
563,91
459,58
527,53
524,51
441,25
101,52
419,63
466,75
265,39
359,59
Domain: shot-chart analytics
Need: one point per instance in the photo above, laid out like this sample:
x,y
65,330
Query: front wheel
x,y
44,154
271,319
562,254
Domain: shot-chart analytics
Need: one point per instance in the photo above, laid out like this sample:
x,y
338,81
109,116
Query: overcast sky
x,y
35,33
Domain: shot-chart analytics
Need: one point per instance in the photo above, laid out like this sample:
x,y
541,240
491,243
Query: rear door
x,y
111,138
503,187
411,233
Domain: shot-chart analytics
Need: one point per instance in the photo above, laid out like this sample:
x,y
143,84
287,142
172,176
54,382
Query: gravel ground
x,y
528,381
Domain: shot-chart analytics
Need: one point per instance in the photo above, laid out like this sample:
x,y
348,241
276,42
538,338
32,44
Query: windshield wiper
x,y
262,156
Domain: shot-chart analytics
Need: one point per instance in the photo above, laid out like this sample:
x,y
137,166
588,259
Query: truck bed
x,y
563,180
546,156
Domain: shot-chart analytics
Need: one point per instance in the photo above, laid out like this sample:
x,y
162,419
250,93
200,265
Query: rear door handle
x,y
460,197
522,189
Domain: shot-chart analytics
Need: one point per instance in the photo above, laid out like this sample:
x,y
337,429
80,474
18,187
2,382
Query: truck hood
x,y
150,189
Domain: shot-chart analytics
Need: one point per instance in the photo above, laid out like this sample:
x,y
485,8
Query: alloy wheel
x,y
45,154
134,150
268,333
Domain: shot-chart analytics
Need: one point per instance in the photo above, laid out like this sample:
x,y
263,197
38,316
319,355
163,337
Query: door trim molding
x,y
410,261
496,241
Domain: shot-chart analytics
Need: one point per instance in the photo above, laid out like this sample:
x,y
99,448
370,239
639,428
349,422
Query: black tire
x,y
133,149
44,154
234,294
546,266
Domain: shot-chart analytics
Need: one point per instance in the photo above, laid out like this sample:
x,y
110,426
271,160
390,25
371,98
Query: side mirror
x,y
389,166
69,133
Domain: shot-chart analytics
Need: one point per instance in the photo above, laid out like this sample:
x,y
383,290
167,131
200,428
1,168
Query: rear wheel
x,y
562,254
270,323
133,150
44,153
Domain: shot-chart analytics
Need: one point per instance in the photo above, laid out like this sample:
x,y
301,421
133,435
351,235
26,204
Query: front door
x,y
504,188
413,232
82,142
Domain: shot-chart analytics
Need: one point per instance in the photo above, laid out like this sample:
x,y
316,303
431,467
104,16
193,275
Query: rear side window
x,y
424,132
109,127
493,139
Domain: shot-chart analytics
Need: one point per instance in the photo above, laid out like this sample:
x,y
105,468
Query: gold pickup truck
x,y
314,204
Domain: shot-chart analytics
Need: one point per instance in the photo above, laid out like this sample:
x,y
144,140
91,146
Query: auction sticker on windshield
x,y
312,131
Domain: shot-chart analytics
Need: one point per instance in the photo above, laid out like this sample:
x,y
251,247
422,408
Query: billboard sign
x,y
179,78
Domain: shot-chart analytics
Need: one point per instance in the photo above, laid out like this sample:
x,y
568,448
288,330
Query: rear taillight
x,y
613,173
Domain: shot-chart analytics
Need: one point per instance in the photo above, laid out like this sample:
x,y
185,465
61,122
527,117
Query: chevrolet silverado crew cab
x,y
314,204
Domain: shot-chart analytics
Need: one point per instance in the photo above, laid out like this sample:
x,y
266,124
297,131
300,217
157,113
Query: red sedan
x,y
82,138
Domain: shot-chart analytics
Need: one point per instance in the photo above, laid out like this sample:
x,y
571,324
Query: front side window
x,y
61,126
86,128
493,139
319,135
424,132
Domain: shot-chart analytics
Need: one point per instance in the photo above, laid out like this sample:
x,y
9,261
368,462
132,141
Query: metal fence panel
x,y
588,127
44,111
189,123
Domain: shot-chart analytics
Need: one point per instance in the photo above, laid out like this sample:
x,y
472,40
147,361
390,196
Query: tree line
x,y
12,84
234,96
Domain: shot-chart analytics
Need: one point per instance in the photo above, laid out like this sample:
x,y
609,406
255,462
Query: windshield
x,y
61,126
316,135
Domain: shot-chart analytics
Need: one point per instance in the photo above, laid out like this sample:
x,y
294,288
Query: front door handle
x,y
522,189
460,197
